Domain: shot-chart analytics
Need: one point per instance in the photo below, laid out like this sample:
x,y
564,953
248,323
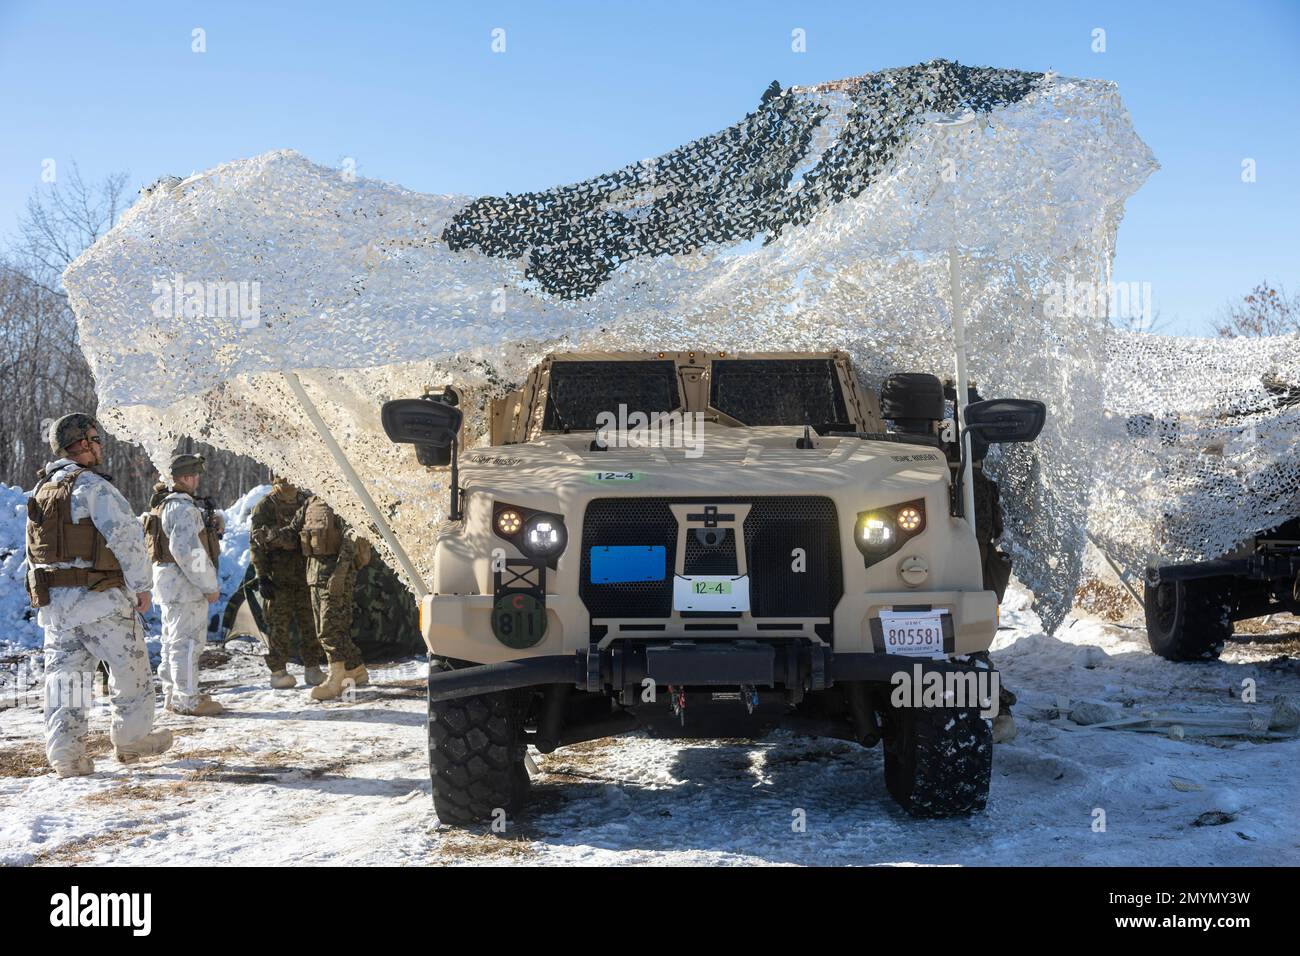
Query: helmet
x,y
69,430
183,465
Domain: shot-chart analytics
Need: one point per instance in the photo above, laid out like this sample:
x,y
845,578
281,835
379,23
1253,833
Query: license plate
x,y
913,633
710,592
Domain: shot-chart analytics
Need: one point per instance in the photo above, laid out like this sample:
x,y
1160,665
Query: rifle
x,y
209,508
214,527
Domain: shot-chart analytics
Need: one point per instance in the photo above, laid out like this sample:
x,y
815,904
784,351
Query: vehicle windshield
x,y
777,391
580,391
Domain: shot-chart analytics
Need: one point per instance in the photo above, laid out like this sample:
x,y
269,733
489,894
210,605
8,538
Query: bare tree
x,y
1152,323
43,371
61,222
1264,311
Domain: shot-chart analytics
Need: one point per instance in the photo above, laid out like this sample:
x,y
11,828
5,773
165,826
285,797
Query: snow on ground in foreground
x,y
282,779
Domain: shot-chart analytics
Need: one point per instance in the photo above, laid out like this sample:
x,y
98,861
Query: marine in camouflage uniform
x,y
331,550
184,545
89,575
282,583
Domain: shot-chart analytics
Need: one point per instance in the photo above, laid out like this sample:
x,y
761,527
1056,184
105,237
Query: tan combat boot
x,y
314,676
340,677
78,768
283,680
206,707
150,745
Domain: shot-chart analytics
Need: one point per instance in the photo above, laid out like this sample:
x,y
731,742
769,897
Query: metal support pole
x,y
959,346
1119,572
354,480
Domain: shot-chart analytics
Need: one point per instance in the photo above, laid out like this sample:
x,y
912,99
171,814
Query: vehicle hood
x,y
723,461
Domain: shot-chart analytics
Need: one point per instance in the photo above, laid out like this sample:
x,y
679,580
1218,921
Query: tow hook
x,y
749,694
678,697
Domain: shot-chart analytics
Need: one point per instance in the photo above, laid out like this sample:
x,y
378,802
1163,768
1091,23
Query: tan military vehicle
x,y
705,544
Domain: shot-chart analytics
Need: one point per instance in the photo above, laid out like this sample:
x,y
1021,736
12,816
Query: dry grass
x,y
28,760
24,760
483,845
83,849
126,792
1110,602
1280,624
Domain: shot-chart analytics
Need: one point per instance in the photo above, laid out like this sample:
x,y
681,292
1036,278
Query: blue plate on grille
x,y
628,564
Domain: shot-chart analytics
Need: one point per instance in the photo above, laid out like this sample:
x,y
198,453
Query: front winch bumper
x,y
798,667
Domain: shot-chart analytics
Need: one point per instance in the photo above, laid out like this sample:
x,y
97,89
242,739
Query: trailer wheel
x,y
476,757
1189,620
938,761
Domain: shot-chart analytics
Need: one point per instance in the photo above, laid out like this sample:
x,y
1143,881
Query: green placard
x,y
518,619
613,477
711,587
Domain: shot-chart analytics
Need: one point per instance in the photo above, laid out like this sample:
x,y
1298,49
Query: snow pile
x,y
18,628
826,218
235,554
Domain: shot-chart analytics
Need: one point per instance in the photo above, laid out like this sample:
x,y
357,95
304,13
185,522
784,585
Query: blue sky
x,y
413,94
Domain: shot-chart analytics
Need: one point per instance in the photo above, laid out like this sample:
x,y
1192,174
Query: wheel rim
x,y
1166,606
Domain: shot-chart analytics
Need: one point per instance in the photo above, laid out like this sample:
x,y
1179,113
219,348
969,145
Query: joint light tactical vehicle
x,y
706,544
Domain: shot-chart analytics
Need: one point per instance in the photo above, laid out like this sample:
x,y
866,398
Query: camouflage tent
x,y
385,621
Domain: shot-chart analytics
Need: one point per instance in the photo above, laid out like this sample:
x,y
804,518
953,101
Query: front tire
x,y
476,758
1188,620
938,761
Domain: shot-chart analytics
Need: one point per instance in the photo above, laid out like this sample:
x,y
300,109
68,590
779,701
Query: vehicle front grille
x,y
774,528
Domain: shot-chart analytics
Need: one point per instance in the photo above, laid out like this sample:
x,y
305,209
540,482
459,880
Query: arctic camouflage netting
x,y
824,219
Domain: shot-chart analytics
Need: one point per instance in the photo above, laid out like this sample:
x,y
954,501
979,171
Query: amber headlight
x,y
909,519
883,531
509,522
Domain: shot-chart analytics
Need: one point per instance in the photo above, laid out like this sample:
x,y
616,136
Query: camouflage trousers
x,y
71,656
332,596
184,636
291,604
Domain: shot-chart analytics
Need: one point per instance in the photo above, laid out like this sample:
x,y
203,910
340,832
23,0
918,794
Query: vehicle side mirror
x,y
430,424
1003,420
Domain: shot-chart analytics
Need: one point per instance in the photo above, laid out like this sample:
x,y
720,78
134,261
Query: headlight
x,y
544,536
875,532
509,522
540,535
883,531
909,518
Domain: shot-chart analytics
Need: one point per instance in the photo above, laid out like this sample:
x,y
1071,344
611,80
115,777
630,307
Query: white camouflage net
x,y
1201,445
824,219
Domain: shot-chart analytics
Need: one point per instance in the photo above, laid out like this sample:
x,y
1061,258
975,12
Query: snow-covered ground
x,y
281,779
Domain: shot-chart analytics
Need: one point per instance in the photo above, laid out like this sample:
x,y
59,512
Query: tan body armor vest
x,y
320,535
54,538
160,551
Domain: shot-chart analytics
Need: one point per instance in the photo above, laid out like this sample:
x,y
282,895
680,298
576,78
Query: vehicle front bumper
x,y
459,627
727,663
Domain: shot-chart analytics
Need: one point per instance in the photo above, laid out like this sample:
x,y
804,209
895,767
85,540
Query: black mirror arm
x,y
958,501
455,513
